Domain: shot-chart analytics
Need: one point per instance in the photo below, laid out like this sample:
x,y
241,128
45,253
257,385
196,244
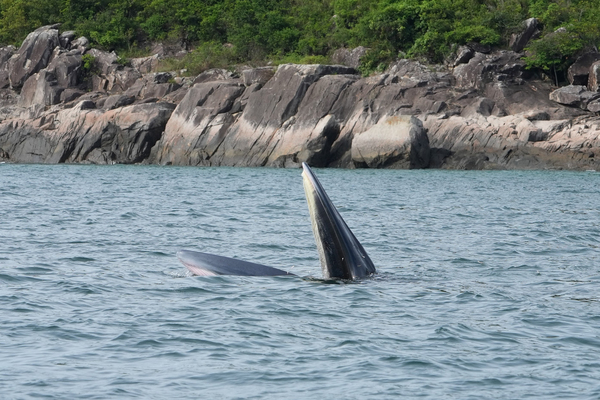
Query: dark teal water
x,y
488,285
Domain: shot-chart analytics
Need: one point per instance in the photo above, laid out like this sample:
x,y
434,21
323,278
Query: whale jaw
x,y
341,254
204,264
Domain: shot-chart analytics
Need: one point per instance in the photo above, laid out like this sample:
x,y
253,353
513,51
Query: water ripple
x,y
487,285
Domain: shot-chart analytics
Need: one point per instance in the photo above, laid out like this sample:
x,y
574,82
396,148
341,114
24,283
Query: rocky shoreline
x,y
484,111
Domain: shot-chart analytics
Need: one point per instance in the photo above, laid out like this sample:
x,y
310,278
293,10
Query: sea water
x,y
488,285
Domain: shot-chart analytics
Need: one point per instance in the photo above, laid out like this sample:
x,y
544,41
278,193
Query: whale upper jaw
x,y
341,254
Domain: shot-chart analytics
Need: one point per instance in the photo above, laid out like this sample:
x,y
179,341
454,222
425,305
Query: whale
x,y
340,253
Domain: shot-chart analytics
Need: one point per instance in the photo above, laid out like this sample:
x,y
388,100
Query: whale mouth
x,y
341,254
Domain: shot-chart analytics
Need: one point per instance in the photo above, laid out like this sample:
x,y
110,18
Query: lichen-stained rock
x,y
198,125
33,55
395,141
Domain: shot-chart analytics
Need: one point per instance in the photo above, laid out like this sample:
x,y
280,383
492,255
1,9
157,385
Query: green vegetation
x,y
253,31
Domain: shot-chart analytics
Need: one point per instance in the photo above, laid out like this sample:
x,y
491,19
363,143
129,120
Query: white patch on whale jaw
x,y
199,271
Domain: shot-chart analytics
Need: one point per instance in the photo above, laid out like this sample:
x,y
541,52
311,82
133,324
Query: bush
x,y
208,55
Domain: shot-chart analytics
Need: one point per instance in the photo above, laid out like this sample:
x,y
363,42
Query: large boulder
x,y
259,75
66,67
574,95
349,58
594,77
66,38
145,64
579,71
463,55
117,80
33,55
395,141
5,54
503,67
530,30
104,62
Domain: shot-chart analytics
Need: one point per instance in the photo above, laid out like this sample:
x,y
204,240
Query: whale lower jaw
x,y
204,264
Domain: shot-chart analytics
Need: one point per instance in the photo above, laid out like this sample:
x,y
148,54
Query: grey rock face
x,y
40,89
504,67
104,62
257,75
574,95
594,77
579,71
117,101
66,38
5,54
198,125
464,54
70,94
33,55
80,44
145,65
86,135
66,66
214,75
118,80
531,30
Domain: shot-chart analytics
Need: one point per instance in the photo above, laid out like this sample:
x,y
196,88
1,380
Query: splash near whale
x,y
341,254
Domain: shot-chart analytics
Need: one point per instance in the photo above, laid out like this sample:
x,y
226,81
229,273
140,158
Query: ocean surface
x,y
488,285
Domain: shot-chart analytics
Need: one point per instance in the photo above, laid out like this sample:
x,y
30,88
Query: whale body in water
x,y
341,254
